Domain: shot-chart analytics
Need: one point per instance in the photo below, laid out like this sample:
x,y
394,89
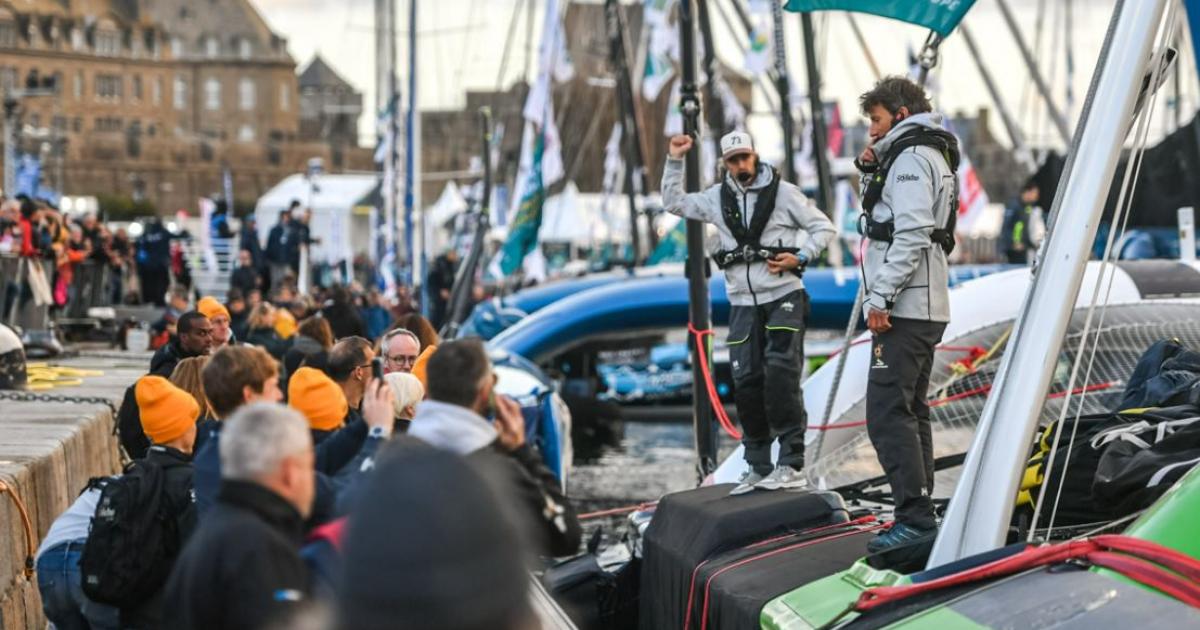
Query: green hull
x,y
1170,522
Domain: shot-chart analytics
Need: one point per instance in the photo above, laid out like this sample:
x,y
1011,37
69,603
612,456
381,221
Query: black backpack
x,y
134,538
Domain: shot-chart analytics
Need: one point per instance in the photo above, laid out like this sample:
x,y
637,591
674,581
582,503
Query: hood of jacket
x,y
451,427
929,120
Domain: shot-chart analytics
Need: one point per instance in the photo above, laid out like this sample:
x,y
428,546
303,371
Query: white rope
x,y
1121,216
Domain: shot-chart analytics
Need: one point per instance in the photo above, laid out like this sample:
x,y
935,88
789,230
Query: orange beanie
x,y
314,394
210,307
422,364
285,323
167,411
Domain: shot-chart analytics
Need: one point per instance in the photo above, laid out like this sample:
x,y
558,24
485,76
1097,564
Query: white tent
x,y
584,219
343,212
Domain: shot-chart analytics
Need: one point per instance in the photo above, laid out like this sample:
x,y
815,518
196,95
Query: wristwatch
x,y
379,432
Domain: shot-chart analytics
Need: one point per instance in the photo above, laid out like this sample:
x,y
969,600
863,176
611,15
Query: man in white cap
x,y
768,231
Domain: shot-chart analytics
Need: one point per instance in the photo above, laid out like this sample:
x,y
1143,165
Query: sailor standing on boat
x,y
768,232
910,200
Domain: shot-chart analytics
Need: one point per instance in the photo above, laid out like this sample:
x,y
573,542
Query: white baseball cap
x,y
736,142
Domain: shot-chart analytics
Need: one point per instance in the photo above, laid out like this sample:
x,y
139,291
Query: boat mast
x,y
817,116
981,508
635,171
464,281
715,109
1020,149
697,262
1056,115
783,84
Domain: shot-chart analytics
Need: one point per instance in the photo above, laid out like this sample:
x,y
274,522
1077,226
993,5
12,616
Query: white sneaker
x,y
746,483
783,478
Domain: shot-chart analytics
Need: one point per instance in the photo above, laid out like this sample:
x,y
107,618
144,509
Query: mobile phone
x,y
377,368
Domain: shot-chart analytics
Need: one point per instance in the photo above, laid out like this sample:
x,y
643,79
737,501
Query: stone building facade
x,y
153,99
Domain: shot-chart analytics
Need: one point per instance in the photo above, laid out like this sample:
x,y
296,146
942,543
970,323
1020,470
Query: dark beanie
x,y
427,547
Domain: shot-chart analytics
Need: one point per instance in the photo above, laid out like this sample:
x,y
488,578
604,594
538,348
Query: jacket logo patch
x,y
907,177
788,306
878,363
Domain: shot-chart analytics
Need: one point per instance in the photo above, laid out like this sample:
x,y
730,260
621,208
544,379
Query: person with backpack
x,y
769,231
910,202
144,516
59,580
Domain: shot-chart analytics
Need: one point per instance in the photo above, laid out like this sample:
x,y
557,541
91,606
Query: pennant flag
x,y
662,47
759,49
523,231
937,15
972,198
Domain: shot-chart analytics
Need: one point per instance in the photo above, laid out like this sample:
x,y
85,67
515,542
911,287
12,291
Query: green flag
x,y
673,246
937,15
523,232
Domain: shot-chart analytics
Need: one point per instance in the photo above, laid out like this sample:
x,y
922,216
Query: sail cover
x,y
937,15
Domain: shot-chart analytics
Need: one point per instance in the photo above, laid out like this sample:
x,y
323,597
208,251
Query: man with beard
x,y
768,232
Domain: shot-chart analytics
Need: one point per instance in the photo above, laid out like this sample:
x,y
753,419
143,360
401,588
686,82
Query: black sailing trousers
x,y
898,414
766,353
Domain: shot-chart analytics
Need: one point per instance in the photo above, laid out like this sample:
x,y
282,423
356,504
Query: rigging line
x,y
508,40
862,43
593,127
1135,166
1127,187
528,41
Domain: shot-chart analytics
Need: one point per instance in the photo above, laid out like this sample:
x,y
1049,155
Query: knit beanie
x,y
422,364
210,307
413,559
285,323
167,412
314,394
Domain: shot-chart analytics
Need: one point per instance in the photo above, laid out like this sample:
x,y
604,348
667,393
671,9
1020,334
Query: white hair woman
x,y
407,391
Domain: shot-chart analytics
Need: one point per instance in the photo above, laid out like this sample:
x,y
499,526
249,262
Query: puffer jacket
x,y
796,222
909,276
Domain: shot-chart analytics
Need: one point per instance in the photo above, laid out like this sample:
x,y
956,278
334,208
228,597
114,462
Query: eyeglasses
x,y
402,359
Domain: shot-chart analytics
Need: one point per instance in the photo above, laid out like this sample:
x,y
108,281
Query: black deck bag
x,y
693,526
1073,469
731,588
1140,461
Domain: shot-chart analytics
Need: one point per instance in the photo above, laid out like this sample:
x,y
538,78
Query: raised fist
x,y
680,145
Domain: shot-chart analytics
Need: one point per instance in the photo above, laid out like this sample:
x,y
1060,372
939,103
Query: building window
x,y
108,124
137,87
245,48
59,123
247,94
156,91
212,94
180,93
8,78
77,125
246,133
108,87
108,43
8,34
78,88
77,42
285,97
212,47
176,47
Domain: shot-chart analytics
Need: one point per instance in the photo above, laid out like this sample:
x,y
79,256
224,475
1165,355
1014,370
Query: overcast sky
x,y
461,42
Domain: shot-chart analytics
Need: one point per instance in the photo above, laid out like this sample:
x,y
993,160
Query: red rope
x,y
710,386
1133,558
